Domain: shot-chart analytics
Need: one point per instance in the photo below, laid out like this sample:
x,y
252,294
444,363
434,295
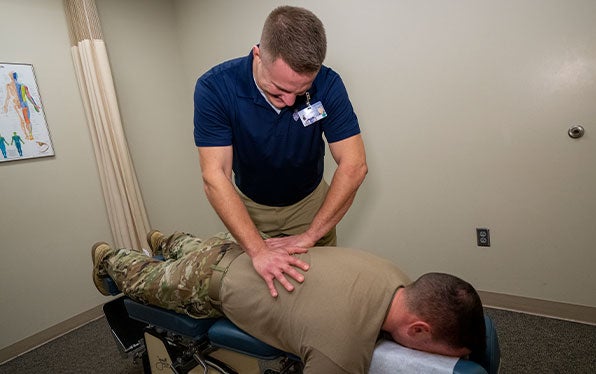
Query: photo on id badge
x,y
312,114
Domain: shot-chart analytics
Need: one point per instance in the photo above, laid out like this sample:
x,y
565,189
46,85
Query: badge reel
x,y
312,113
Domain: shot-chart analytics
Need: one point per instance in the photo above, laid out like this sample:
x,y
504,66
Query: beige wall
x,y
51,208
464,110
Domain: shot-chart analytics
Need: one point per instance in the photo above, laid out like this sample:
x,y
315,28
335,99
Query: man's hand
x,y
273,263
291,243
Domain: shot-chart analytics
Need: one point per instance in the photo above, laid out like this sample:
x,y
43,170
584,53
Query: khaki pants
x,y
292,219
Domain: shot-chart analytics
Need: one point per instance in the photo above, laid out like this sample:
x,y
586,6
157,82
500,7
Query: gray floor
x,y
532,344
529,344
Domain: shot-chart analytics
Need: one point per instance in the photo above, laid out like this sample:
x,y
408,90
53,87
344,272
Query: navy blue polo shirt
x,y
277,160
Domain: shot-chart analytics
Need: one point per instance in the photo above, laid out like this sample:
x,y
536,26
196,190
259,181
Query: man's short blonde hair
x,y
296,36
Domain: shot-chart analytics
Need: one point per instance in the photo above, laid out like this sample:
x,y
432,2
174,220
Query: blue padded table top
x,y
490,360
225,334
169,320
222,333
468,367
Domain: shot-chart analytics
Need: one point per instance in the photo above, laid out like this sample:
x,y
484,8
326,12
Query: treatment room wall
x,y
52,209
464,108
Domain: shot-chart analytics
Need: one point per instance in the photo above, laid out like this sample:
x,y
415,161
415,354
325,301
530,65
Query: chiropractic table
x,y
169,342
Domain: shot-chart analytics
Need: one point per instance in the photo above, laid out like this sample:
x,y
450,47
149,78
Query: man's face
x,y
278,81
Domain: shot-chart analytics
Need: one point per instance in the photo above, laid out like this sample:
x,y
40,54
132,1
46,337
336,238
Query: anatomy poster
x,y
23,129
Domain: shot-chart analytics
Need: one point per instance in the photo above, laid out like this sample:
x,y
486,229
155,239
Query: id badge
x,y
312,114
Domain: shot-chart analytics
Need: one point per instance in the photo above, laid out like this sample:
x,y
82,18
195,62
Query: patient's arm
x,y
317,363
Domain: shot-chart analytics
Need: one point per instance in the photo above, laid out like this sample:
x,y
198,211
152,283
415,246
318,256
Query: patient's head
x,y
440,313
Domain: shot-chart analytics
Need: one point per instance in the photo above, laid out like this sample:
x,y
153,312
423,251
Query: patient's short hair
x,y
453,309
296,36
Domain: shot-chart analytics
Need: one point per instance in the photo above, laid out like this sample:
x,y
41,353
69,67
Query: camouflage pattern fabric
x,y
180,283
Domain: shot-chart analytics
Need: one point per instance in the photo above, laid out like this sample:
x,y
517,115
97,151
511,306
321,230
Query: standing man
x,y
3,144
20,96
18,142
262,117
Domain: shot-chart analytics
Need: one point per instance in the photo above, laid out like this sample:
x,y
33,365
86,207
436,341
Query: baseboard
x,y
21,347
544,308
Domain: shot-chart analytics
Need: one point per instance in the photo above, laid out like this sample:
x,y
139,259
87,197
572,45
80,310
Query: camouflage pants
x,y
179,283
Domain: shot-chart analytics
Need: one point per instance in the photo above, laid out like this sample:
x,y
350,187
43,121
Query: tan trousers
x,y
292,219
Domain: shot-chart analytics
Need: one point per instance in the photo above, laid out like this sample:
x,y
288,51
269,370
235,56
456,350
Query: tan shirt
x,y
331,321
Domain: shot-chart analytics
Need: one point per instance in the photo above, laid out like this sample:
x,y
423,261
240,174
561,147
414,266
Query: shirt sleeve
x,y
342,122
212,125
316,363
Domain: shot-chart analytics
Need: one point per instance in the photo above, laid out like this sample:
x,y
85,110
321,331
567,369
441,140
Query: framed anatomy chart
x,y
24,132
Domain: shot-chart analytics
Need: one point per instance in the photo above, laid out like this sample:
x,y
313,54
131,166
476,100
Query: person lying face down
x,y
332,321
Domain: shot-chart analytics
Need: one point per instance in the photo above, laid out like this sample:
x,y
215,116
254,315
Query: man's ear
x,y
419,330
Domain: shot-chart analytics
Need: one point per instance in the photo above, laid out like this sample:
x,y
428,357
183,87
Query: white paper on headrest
x,y
392,358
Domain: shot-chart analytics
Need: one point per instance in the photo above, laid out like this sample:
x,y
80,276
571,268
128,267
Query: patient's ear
x,y
419,330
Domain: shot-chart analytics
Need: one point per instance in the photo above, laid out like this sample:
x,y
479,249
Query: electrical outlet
x,y
483,237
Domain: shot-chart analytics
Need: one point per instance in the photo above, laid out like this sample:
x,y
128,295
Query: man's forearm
x,y
340,196
229,207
